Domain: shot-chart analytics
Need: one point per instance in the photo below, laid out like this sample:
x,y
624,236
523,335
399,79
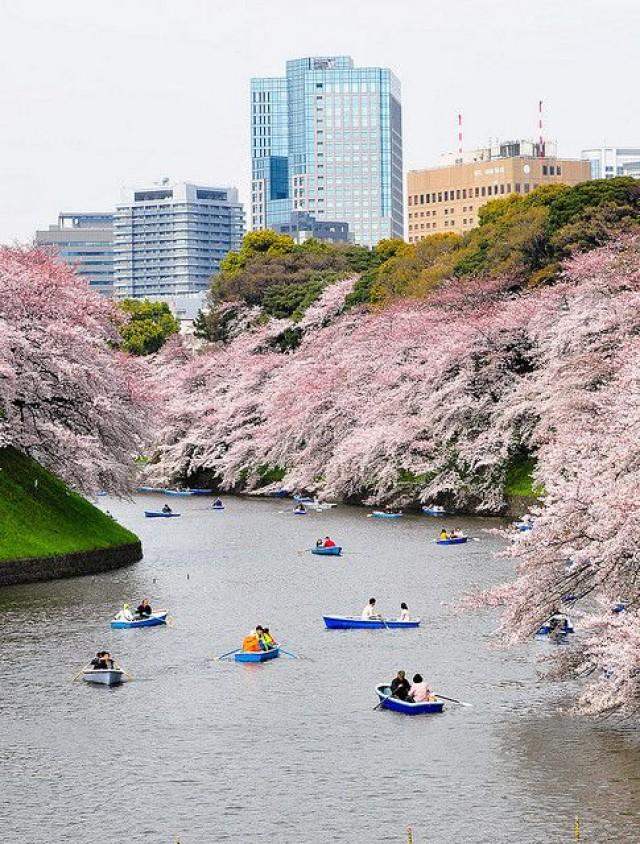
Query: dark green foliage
x,y
519,477
149,326
47,518
271,474
291,300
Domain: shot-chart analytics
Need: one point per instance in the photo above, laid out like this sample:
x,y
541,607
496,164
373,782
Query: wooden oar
x,y
82,670
452,700
379,704
222,656
293,656
126,673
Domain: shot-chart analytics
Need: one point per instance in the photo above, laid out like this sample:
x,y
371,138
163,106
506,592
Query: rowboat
x,y
303,499
151,489
297,512
158,514
257,656
458,540
346,622
434,511
560,631
331,551
217,507
185,492
523,526
379,514
406,707
103,676
152,620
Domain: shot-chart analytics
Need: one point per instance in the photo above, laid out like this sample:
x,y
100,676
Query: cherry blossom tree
x,y
68,397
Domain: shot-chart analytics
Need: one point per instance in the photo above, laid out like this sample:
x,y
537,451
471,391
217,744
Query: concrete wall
x,y
69,565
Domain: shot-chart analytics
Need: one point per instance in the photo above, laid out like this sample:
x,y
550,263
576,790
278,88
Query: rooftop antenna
x,y
541,137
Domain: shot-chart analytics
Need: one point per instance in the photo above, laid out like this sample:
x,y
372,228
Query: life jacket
x,y
250,643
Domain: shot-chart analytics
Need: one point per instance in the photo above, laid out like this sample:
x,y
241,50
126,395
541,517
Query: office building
x,y
169,238
607,162
447,198
326,140
84,240
302,226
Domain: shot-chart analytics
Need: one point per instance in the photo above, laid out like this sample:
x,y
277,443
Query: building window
x,y
439,197
483,191
426,196
421,199
526,188
433,197
477,191
558,171
488,190
517,187
464,193
446,196
551,170
501,188
545,170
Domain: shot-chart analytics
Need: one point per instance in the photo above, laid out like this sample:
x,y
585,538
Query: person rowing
x,y
328,542
444,534
267,640
102,661
144,609
167,509
400,686
217,503
404,612
300,510
369,612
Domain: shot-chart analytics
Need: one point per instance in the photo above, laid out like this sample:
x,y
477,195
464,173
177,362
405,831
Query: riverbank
x,y
48,531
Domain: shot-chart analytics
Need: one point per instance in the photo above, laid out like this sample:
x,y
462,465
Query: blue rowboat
x,y
257,656
217,507
347,622
152,620
560,631
458,540
151,489
434,511
618,607
406,707
523,526
158,514
303,499
379,514
187,491
332,551
299,512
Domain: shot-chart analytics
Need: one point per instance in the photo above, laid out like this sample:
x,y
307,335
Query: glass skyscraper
x,y
326,140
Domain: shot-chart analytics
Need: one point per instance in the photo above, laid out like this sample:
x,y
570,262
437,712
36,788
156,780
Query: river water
x,y
292,751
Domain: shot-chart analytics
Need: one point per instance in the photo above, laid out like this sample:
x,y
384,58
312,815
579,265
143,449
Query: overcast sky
x,y
96,95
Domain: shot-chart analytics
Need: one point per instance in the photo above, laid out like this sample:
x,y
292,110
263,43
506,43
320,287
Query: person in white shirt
x,y
124,614
369,612
404,612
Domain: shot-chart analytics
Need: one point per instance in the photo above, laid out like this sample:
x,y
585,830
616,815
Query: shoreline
x,y
74,564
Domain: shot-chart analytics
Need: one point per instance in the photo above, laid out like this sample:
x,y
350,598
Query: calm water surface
x,y
291,751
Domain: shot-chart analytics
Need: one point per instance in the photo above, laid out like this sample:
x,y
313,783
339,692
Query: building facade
x,y
302,226
608,162
326,140
447,198
84,240
169,238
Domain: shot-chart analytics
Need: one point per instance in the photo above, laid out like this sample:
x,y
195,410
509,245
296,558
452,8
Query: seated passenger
x,y
268,639
251,642
400,686
318,543
167,509
217,503
419,691
328,542
124,614
444,534
404,612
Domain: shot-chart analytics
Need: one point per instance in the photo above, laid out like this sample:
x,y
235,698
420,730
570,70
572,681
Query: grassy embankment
x,y
519,481
46,518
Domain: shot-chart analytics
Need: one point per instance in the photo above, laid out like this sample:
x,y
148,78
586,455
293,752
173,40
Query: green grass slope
x,y
519,480
46,519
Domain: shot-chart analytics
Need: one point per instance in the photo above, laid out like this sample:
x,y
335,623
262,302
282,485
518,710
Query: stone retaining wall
x,y
69,565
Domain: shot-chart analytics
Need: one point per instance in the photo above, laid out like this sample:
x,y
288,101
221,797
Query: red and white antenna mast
x,y
460,135
540,135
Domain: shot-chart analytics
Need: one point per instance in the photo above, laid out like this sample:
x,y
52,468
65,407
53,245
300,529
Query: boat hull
x,y
104,676
257,656
153,620
431,511
377,514
460,540
397,705
155,514
217,508
332,551
345,622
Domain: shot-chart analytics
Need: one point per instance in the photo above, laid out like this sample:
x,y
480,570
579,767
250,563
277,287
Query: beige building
x,y
447,198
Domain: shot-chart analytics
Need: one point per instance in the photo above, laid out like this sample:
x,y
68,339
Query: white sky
x,y
96,95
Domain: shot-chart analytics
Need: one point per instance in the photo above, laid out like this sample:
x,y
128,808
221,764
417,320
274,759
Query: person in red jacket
x,y
328,542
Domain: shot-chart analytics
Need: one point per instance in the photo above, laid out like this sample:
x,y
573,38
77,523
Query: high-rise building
x,y
169,238
302,226
84,240
326,140
607,162
447,198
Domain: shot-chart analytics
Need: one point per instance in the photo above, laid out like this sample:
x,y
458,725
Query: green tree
x,y
148,327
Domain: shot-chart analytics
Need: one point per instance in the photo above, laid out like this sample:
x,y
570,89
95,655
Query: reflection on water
x,y
291,751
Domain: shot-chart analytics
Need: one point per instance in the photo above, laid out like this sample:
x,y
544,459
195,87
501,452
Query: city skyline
x,y
74,139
